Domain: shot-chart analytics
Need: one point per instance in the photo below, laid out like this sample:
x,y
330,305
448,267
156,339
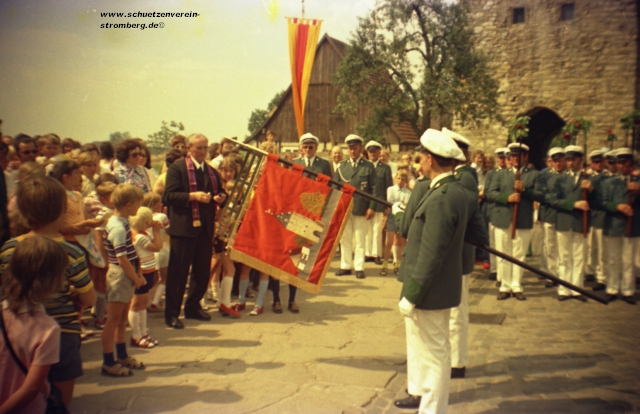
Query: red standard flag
x,y
292,226
303,39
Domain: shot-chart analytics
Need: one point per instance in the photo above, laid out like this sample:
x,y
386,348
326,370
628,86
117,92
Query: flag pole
x,y
488,249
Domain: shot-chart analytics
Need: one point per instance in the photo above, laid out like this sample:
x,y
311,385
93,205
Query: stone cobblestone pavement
x,y
345,353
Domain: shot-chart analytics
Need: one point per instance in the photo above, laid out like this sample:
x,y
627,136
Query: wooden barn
x,y
320,116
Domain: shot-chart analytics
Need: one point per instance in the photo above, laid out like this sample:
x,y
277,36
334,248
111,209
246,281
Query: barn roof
x,y
403,130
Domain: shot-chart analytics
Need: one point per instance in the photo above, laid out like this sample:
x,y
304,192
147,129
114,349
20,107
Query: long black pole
x,y
488,249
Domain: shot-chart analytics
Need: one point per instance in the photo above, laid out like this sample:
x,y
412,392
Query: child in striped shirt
x,y
145,246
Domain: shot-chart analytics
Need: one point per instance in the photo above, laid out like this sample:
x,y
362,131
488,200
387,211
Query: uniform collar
x,y
440,178
196,164
355,162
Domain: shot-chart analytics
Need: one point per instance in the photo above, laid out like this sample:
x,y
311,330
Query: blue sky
x,y
60,72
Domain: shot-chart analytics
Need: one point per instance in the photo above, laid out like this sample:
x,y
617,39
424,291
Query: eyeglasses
x,y
35,151
135,154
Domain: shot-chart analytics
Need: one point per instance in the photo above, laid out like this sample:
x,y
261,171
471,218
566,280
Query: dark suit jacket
x,y
383,180
564,191
468,177
319,165
616,192
502,186
431,269
176,198
362,178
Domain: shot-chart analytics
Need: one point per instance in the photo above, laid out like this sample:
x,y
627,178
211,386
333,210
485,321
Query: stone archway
x,y
544,125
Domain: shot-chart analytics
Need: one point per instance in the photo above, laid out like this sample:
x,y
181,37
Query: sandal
x,y
116,371
383,272
277,307
143,342
131,362
152,340
100,324
256,311
154,308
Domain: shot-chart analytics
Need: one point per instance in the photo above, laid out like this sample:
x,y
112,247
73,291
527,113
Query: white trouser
x,y
459,328
571,260
550,262
621,253
352,243
429,358
595,255
374,236
492,243
511,275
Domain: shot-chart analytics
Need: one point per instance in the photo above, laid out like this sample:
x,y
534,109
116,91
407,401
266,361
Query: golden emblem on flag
x,y
313,202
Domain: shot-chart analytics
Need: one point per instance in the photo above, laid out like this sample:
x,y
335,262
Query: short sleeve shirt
x,y
35,338
118,241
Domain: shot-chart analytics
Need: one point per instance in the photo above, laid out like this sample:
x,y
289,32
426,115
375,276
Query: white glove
x,y
397,208
406,308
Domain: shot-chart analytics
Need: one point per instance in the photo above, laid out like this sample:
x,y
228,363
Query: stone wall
x,y
584,67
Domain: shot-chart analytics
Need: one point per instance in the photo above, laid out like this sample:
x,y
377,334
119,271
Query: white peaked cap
x,y
373,143
309,137
574,148
517,146
502,151
353,139
439,143
457,137
555,151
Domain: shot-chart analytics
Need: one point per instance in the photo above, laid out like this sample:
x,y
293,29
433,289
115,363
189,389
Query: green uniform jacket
x,y
319,165
500,190
383,180
487,183
615,224
362,178
468,177
564,191
419,190
546,213
597,211
431,269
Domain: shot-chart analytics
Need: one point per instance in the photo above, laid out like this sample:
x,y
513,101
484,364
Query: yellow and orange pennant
x,y
303,39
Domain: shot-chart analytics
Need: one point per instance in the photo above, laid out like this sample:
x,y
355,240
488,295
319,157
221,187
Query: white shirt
x,y
396,194
439,178
196,164
215,163
394,168
309,161
354,162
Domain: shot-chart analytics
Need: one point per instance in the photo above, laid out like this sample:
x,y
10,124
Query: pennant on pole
x,y
303,39
292,226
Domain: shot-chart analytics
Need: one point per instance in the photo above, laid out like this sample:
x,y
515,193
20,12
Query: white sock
x,y
134,321
244,284
159,293
143,322
262,291
225,291
394,250
215,294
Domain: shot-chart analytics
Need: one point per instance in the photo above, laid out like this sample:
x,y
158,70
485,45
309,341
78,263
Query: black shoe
x,y
503,295
369,259
498,284
174,323
589,278
611,298
199,315
519,296
550,284
599,286
458,372
411,401
360,274
562,298
493,276
629,299
378,261
343,272
581,298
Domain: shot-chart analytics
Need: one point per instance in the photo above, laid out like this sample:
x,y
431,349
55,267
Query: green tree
x,y
118,136
259,116
158,142
414,61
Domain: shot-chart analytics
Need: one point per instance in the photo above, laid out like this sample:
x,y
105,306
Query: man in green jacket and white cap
x,y
431,270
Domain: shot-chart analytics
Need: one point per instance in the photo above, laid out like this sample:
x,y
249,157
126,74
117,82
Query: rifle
x,y
629,218
585,193
514,217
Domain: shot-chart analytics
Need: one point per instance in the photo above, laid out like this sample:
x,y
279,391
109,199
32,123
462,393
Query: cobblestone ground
x,y
345,353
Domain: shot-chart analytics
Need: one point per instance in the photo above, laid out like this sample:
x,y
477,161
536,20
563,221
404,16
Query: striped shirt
x,y
147,259
118,242
60,306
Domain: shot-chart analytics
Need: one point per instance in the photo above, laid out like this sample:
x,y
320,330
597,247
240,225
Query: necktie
x,y
308,160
